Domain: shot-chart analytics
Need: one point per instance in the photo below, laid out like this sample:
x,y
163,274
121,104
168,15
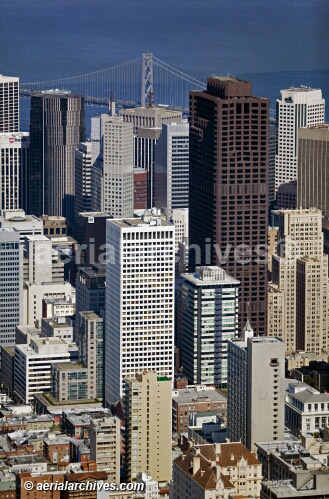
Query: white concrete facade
x,y
139,330
297,107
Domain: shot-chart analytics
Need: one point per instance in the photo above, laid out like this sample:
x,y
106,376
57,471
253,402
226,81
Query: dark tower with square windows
x,y
229,188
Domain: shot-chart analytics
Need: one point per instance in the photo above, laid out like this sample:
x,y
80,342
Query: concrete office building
x,y
9,104
147,123
171,167
58,307
69,381
298,294
296,108
57,327
255,404
91,346
35,293
118,170
209,318
90,292
82,199
33,365
147,406
11,259
43,276
229,188
105,446
313,168
13,165
26,225
140,278
57,126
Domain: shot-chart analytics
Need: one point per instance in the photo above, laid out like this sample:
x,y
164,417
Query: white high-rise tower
x,y
140,278
118,171
297,107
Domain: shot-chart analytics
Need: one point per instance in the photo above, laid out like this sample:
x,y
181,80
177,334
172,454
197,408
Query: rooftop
x,y
195,394
210,275
146,221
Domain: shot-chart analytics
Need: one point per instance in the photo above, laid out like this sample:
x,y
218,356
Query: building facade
x,y
9,104
209,318
11,282
211,471
82,178
313,168
171,167
105,446
147,406
296,108
229,188
33,365
140,290
255,404
57,126
14,149
91,345
118,168
298,294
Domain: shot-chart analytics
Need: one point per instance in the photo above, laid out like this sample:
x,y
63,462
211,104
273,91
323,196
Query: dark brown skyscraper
x,y
229,186
57,126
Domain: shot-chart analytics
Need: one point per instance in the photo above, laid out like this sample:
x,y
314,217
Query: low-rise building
x,y
69,381
57,327
216,470
33,365
307,410
196,398
57,448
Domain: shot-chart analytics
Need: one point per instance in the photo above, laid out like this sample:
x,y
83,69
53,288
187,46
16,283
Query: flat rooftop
x,y
125,223
70,366
187,395
210,275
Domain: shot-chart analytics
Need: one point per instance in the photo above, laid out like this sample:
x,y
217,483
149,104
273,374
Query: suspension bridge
x,y
130,84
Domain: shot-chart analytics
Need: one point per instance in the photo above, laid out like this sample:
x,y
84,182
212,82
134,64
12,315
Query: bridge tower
x,y
147,77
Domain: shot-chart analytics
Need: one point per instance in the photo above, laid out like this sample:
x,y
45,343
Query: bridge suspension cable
x,y
129,83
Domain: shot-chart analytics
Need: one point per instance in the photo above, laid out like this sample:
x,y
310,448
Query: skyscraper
x,y
57,126
313,168
148,408
140,273
147,122
209,318
298,294
9,104
229,188
118,168
82,200
255,404
171,167
297,107
13,167
11,261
